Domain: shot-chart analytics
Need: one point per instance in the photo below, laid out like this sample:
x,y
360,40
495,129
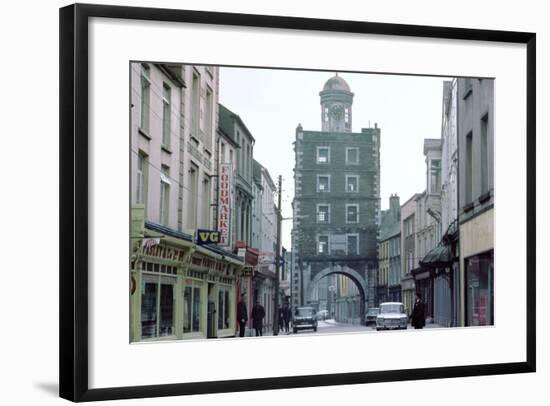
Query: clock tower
x,y
336,101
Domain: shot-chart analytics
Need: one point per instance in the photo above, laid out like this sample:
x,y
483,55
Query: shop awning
x,y
438,257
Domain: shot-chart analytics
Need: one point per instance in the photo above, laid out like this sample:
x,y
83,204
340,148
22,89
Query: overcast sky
x,y
273,102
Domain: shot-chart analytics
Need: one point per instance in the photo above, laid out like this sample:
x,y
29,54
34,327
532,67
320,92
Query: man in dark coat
x,y
417,317
242,315
258,314
286,316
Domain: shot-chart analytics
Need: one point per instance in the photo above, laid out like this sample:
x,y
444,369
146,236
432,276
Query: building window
x,y
469,169
352,156
193,177
352,244
164,195
231,157
195,105
157,308
206,203
322,245
435,176
145,97
480,292
352,213
166,115
323,213
222,153
352,183
346,115
209,118
224,308
323,183
484,164
141,191
323,155
192,309
326,114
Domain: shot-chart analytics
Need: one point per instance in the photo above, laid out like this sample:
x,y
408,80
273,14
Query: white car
x,y
392,316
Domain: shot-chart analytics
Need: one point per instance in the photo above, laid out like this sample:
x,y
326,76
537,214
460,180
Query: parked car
x,y
370,317
304,318
392,316
322,314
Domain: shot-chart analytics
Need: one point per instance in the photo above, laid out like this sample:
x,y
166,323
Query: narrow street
x,y
331,326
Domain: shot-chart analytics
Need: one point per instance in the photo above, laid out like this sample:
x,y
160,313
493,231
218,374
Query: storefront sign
x,y
163,252
224,204
207,237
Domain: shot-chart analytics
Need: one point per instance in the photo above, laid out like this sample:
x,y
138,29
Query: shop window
x,y
224,308
479,282
157,309
191,309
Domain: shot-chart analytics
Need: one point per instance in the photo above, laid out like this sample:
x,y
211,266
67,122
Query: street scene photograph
x,y
281,202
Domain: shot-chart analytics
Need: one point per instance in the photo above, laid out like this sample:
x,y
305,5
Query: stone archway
x,y
355,276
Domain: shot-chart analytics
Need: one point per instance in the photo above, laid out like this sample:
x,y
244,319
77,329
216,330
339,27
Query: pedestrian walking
x,y
258,314
242,315
281,318
417,317
286,317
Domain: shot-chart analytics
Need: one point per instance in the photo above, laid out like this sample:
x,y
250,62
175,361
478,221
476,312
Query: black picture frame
x,y
74,171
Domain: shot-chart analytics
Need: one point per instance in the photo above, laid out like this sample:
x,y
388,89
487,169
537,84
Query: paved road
x,y
332,327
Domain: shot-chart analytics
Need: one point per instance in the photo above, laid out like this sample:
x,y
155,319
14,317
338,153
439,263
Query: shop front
x,y
179,290
479,270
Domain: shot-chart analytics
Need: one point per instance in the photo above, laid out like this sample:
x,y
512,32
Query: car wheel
x,y
377,328
295,330
315,329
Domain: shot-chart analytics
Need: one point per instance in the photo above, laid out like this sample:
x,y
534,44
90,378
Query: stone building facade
x,y
337,197
476,199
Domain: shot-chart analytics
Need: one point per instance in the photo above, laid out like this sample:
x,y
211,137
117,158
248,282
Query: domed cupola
x,y
336,101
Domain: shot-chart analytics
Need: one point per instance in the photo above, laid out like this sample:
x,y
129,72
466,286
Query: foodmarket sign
x,y
224,203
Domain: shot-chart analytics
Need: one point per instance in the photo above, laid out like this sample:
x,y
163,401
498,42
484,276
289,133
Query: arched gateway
x,y
355,276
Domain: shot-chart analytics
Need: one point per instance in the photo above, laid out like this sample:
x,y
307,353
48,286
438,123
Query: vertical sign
x,y
224,204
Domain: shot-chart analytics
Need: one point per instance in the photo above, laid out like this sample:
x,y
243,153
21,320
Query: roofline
x,y
241,122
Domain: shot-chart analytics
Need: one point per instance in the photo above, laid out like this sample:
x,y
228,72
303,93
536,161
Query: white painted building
x,y
155,145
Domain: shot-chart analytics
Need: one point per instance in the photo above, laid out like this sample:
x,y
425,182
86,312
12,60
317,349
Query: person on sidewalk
x,y
417,317
258,314
242,315
286,317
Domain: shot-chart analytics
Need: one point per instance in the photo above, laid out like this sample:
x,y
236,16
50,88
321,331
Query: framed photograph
x,y
252,202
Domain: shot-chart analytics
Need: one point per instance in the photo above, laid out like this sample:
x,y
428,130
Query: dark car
x,y
304,318
370,317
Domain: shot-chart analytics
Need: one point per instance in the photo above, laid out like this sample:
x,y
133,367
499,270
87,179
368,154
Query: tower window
x,y
323,155
323,183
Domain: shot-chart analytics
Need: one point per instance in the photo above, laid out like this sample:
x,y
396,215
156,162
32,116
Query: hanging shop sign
x,y
224,204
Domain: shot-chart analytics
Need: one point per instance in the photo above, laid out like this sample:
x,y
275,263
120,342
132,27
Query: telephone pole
x,y
278,259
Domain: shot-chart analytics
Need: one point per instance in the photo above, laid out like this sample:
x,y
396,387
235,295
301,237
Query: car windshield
x,y
305,311
373,311
391,308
